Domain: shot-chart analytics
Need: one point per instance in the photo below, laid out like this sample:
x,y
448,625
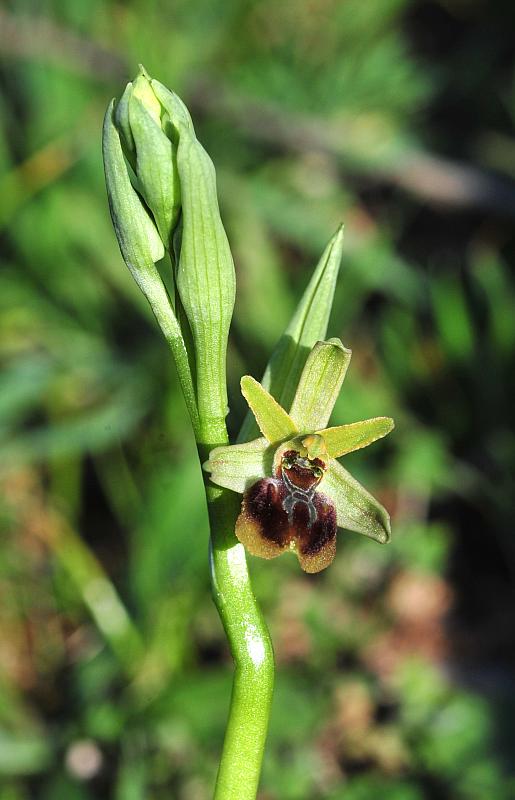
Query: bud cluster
x,y
161,187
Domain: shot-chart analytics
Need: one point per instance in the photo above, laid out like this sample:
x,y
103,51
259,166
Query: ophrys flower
x,y
295,493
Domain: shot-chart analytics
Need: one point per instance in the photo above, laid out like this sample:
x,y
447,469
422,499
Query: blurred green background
x,y
395,666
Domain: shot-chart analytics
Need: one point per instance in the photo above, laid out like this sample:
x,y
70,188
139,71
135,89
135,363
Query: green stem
x,y
249,640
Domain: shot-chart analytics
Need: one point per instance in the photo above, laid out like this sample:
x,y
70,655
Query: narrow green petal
x,y
356,509
272,419
347,438
307,326
240,465
319,385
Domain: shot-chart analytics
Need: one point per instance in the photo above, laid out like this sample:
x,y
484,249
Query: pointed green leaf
x,y
156,167
272,419
319,385
307,326
356,509
238,466
205,274
347,438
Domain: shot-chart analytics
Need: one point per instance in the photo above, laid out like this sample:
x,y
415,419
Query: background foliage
x,y
395,671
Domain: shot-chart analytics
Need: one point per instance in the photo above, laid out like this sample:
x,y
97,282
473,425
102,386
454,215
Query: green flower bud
x,y
162,191
151,150
137,235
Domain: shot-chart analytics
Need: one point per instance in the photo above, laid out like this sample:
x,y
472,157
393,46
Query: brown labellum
x,y
287,512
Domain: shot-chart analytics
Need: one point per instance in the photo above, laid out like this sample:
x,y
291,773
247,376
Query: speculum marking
x,y
287,512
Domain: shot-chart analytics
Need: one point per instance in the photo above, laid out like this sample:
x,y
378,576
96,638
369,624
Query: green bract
x,y
161,187
307,326
302,432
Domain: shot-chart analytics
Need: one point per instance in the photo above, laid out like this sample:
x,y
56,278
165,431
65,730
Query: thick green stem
x,y
249,640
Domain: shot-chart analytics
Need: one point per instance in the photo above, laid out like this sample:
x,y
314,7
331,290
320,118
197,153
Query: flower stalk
x,y
251,649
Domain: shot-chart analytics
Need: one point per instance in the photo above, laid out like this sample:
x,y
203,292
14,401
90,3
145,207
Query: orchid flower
x,y
295,492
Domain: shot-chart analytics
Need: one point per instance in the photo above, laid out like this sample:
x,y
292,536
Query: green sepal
x,y
319,385
356,509
205,274
156,168
307,326
273,421
238,466
346,438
